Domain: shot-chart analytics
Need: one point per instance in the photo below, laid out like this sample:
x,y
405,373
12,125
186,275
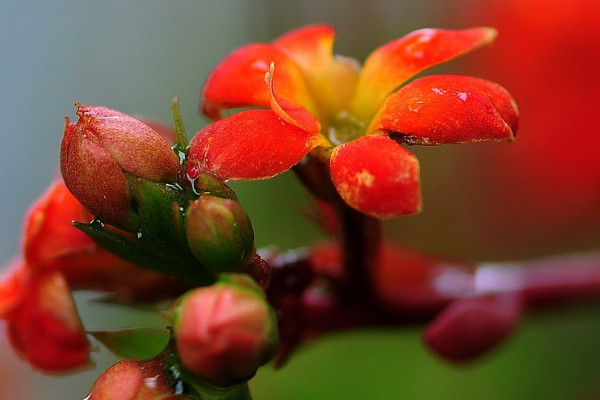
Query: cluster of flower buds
x,y
150,212
142,196
130,177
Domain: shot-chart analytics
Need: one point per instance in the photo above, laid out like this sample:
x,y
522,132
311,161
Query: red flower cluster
x,y
354,118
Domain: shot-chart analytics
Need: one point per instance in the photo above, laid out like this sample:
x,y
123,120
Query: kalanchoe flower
x,y
101,150
318,100
224,332
219,233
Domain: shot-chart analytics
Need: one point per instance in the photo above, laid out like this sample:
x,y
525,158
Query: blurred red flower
x,y
548,183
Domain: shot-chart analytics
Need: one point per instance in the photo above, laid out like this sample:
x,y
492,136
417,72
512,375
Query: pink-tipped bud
x,y
133,380
471,327
100,148
219,233
224,332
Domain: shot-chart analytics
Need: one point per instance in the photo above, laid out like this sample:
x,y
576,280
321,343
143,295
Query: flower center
x,y
344,128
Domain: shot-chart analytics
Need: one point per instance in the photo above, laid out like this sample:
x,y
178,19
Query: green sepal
x,y
156,204
138,343
206,391
198,387
145,254
208,184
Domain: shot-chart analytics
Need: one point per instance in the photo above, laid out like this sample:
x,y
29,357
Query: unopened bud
x,y
224,332
100,148
134,380
473,326
219,233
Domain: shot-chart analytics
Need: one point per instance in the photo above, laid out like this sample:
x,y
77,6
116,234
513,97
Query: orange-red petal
x,y
377,176
391,65
310,45
238,81
253,144
330,79
13,284
49,238
448,109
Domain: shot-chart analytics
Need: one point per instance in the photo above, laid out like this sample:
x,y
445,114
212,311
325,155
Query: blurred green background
x,y
135,56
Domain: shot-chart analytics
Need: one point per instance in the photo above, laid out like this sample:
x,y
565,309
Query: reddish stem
x,y
543,281
306,311
360,241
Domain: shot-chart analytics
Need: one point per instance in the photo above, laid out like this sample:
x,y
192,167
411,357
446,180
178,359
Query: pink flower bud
x,y
101,150
219,233
226,331
133,380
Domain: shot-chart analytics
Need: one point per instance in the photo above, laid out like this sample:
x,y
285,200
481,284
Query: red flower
x,y
356,116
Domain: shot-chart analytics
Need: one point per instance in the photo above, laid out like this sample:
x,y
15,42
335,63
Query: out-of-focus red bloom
x,y
134,380
44,327
224,332
34,291
548,182
52,244
101,150
13,282
356,116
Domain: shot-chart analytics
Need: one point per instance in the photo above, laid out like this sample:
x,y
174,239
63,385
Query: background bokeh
x,y
539,196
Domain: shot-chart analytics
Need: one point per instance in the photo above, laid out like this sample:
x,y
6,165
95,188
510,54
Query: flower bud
x,y
226,331
219,233
473,326
98,151
133,380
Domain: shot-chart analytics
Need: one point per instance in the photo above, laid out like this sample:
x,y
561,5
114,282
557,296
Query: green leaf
x,y
138,343
148,254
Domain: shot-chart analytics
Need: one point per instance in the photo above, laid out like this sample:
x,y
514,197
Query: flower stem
x,y
360,240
